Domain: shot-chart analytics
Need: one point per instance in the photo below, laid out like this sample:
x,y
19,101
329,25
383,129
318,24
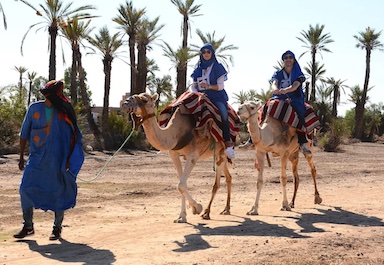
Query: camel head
x,y
249,108
141,105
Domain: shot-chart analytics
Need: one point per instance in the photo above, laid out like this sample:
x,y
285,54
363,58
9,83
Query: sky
x,y
262,31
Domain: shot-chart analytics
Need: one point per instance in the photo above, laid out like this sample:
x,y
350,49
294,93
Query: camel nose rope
x,y
109,160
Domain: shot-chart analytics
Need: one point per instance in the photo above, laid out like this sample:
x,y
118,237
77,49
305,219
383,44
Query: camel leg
x,y
283,180
182,186
294,158
215,188
177,164
311,164
228,181
260,159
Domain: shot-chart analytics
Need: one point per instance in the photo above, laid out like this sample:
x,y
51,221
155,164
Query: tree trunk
x,y
181,80
142,69
52,55
107,62
334,103
313,77
132,59
73,77
84,97
359,128
29,93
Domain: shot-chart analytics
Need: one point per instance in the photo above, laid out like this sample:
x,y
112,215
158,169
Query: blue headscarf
x,y
217,68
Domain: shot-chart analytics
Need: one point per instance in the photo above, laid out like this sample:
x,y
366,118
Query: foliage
x,y
12,113
331,139
119,130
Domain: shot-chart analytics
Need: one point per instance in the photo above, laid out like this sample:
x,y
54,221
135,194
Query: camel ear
x,y
155,96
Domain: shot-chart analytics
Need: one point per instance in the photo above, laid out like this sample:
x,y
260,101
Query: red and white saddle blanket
x,y
283,111
207,116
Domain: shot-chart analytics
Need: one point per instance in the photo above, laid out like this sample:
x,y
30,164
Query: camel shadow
x,y
335,216
72,252
249,227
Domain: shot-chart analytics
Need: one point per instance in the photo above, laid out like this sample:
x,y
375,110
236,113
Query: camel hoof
x,y
205,215
285,208
226,212
252,212
318,200
292,205
198,209
180,220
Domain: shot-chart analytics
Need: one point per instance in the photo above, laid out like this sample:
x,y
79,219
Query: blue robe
x,y
46,183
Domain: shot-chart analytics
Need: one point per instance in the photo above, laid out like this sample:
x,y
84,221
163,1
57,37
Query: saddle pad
x,y
206,114
283,111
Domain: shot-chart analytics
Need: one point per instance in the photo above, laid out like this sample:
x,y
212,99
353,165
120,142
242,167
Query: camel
x,y
272,136
180,138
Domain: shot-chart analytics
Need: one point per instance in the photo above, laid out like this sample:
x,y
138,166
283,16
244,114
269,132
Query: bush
x,y
331,140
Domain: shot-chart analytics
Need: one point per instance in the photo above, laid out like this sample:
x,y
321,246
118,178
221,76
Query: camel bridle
x,y
135,102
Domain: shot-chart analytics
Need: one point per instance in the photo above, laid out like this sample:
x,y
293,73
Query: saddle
x,y
283,111
205,113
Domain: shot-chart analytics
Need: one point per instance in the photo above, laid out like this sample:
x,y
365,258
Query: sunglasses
x,y
288,57
206,51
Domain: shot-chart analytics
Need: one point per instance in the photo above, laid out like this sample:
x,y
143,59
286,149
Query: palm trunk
x,y
73,77
132,58
359,129
107,62
181,80
52,56
84,97
142,69
313,76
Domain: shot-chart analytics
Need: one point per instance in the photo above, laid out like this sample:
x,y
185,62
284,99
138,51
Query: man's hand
x,y
21,163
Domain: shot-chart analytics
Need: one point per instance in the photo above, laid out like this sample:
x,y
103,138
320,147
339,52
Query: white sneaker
x,y
230,151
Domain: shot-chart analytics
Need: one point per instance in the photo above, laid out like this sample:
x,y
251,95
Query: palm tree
x,y
323,106
319,71
21,70
187,10
4,18
31,78
129,19
334,87
55,14
147,33
162,86
367,40
108,47
75,32
315,41
220,49
179,59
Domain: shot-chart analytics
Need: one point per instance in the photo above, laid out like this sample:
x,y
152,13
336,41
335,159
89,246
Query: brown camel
x,y
180,138
272,136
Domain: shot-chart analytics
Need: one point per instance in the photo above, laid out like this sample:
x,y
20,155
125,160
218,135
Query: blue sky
x,y
262,30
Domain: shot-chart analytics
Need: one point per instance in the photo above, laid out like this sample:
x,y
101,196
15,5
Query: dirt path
x,y
126,216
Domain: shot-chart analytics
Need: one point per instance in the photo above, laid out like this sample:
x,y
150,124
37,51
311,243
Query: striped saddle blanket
x,y
283,111
205,113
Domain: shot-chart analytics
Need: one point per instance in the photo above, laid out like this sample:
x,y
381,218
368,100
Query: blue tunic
x,y
46,183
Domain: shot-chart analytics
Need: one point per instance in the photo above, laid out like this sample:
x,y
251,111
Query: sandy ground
x,y
126,215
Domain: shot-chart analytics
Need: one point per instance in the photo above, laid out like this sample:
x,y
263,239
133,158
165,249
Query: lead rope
x,y
110,159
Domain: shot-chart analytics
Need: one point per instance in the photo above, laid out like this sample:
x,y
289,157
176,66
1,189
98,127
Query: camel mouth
x,y
130,105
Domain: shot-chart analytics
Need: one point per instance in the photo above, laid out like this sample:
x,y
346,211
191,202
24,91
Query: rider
x,y
287,85
208,78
